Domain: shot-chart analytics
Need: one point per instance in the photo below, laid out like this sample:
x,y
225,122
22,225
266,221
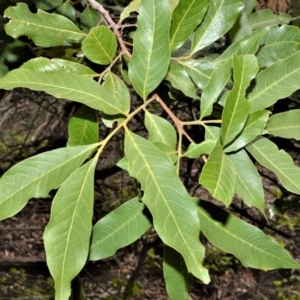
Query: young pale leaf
x,y
199,70
217,82
246,242
236,108
253,128
286,124
83,127
181,81
219,18
278,43
67,10
278,81
176,276
36,176
67,235
88,18
186,17
195,150
43,64
266,17
173,212
64,85
218,175
160,130
278,161
151,48
100,45
248,183
47,4
46,30
119,228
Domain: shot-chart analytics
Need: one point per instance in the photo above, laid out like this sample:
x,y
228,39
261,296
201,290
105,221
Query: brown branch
x,y
176,121
101,10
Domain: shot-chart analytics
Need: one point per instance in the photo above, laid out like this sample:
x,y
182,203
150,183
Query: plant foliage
x,y
119,70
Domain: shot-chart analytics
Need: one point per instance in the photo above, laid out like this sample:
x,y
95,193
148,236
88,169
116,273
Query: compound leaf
x,y
168,201
119,228
151,48
195,150
36,176
67,235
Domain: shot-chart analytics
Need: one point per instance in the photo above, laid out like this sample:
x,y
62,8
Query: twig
x,y
98,7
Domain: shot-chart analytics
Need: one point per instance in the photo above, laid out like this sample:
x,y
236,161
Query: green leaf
x,y
236,108
186,17
181,81
248,183
217,82
253,128
196,150
266,17
47,4
276,82
151,51
67,10
278,43
134,6
278,161
36,176
219,18
286,124
88,18
173,212
119,228
160,130
176,276
83,127
46,30
218,175
199,70
67,86
67,235
100,45
43,64
212,132
249,244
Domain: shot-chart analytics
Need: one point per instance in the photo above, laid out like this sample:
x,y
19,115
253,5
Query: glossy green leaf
x,y
119,228
67,235
47,4
218,175
219,18
196,150
217,82
276,82
248,183
181,81
168,201
241,27
134,6
83,127
67,10
266,17
278,161
278,43
236,108
100,46
212,132
67,86
246,242
46,30
151,51
285,124
199,70
176,276
88,18
187,15
160,130
43,64
253,128
36,176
